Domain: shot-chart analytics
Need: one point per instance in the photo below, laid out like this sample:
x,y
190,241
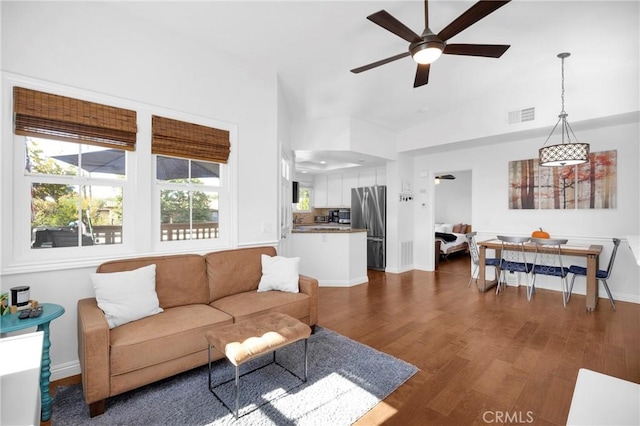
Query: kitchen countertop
x,y
319,228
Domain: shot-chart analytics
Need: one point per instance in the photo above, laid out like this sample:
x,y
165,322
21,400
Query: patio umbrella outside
x,y
112,161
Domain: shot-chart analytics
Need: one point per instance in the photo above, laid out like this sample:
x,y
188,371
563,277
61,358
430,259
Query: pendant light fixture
x,y
566,153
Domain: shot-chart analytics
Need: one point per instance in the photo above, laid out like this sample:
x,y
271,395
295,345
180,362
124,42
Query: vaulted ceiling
x,y
314,44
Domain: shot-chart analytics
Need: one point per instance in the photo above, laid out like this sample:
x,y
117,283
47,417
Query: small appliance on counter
x,y
334,216
344,216
320,219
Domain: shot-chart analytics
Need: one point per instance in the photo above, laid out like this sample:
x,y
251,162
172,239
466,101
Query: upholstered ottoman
x,y
253,337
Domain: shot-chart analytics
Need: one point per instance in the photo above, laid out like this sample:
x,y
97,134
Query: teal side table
x,y
10,323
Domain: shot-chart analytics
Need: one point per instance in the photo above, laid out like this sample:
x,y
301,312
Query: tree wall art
x,y
591,185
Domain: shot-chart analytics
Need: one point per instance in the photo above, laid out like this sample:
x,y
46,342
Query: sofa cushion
x,y
176,332
180,279
235,271
252,303
128,295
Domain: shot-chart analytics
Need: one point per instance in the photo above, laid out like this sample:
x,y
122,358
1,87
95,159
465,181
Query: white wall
x,y
326,134
90,46
344,134
491,215
453,198
373,140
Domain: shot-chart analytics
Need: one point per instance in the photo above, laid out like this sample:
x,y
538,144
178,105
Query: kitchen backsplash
x,y
307,218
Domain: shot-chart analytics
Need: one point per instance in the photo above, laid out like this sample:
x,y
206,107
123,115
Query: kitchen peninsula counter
x,y
335,255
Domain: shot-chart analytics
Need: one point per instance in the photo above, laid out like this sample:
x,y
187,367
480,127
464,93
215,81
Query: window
x,y
74,167
76,193
304,199
189,198
89,182
190,162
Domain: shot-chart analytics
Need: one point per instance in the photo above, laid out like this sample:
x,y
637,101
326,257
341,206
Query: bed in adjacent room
x,y
452,237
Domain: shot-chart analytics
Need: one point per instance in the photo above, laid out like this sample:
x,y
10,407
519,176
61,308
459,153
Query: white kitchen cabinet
x,y
320,191
335,259
381,176
334,190
367,177
371,177
349,181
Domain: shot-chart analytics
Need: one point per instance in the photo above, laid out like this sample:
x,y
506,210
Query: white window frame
x,y
226,206
79,181
141,223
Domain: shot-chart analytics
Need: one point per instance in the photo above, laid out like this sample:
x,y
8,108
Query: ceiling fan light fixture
x,y
426,52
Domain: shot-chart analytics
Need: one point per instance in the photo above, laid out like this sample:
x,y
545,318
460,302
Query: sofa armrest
x,y
93,350
309,286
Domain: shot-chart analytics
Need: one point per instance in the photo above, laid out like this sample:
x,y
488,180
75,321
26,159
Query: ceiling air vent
x,y
521,115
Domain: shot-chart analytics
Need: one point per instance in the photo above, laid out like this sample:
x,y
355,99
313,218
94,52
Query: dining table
x,y
591,252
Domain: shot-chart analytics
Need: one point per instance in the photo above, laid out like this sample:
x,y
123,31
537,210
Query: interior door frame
x,y
285,220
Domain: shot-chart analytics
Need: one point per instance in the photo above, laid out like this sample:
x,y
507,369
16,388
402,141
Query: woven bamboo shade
x,y
58,117
186,140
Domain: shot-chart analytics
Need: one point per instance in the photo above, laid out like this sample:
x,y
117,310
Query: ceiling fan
x,y
428,47
447,177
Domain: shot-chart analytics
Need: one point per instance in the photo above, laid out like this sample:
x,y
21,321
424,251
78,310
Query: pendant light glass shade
x,y
566,153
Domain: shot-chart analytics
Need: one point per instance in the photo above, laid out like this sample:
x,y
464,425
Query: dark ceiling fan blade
x,y
389,23
380,62
422,75
470,17
486,50
449,177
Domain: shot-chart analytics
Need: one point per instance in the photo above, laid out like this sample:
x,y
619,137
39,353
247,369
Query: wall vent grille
x,y
521,115
406,253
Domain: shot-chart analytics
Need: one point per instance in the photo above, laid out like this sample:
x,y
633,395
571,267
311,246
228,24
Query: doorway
x,y
452,206
285,216
452,203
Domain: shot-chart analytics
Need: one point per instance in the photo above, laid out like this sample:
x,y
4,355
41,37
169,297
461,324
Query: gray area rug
x,y
346,379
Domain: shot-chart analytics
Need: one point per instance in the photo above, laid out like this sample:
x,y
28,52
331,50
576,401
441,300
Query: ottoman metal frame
x,y
236,379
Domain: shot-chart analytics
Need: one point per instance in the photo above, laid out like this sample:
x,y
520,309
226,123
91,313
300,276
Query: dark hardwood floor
x,y
483,358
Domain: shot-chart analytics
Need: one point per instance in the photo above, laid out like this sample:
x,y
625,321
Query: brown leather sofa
x,y
196,292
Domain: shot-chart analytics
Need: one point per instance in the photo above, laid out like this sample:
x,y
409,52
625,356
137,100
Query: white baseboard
x,y
336,283
62,371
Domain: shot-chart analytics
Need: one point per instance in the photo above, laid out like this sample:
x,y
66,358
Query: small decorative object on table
x,y
539,233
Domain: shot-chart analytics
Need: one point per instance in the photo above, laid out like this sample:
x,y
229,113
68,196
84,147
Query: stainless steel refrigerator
x,y
369,211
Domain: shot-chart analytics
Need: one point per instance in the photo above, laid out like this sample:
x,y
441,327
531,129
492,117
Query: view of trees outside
x,y
183,206
67,205
304,202
188,200
97,209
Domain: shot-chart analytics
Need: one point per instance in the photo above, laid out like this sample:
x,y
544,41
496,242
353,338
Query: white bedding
x,y
445,246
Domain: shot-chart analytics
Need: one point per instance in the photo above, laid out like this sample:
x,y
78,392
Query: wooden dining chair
x,y
600,274
548,261
475,258
513,259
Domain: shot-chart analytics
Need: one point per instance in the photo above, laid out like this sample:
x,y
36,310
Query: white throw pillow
x,y
440,228
127,296
279,273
